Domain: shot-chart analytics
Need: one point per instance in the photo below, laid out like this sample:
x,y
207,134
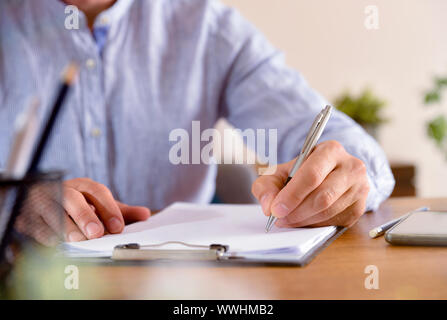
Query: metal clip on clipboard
x,y
133,251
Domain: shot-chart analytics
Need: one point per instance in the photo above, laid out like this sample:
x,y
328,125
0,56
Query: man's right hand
x,y
90,212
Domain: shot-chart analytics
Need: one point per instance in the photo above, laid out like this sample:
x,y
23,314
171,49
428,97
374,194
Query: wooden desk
x,y
336,273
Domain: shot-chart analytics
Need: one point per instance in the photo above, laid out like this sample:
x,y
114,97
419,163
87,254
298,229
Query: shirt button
x,y
104,20
90,63
96,132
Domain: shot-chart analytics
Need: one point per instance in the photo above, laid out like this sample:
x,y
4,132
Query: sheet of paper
x,y
241,227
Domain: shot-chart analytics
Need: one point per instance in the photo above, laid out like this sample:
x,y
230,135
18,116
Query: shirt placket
x,y
94,113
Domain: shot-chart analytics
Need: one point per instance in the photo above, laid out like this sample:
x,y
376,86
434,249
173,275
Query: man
x,y
151,66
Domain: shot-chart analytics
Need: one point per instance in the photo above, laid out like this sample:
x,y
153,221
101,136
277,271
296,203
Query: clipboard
x,y
220,253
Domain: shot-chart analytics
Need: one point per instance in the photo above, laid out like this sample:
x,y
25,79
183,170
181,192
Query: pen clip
x,y
314,126
316,134
135,251
308,147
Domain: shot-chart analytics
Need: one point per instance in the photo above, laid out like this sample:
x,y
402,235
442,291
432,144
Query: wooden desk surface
x,y
336,273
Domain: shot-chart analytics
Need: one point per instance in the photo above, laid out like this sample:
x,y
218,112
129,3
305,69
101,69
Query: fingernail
x,y
75,236
93,229
114,225
280,210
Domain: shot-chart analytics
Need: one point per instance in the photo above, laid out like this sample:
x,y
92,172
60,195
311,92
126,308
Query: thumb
x,y
133,213
265,189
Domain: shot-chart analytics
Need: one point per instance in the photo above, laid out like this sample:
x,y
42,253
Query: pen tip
x,y
269,224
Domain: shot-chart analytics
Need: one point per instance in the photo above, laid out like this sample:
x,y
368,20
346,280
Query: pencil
x,y
8,219
68,78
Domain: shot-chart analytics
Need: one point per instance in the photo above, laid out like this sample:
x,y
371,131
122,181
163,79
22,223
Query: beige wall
x,y
327,41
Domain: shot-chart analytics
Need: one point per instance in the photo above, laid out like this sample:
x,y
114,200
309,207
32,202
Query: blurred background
x,y
389,76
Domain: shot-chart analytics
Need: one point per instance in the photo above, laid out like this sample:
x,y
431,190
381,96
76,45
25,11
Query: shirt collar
x,y
104,19
113,14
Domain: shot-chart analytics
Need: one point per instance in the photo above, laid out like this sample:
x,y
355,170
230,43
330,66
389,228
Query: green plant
x,y
437,127
365,108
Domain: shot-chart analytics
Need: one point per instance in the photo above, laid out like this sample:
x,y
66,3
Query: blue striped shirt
x,y
149,67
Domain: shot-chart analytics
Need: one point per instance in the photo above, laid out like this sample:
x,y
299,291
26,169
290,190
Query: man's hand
x,y
93,210
330,188
90,211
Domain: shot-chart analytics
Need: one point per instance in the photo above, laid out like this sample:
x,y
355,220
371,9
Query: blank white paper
x,y
241,227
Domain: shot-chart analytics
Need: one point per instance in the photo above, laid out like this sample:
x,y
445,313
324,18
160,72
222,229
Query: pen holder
x,y
38,218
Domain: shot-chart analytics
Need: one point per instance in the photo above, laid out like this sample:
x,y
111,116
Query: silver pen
x,y
309,143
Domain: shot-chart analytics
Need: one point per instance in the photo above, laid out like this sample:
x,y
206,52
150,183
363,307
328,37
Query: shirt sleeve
x,y
262,92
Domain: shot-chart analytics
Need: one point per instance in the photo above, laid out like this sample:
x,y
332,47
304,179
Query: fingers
x,y
85,218
89,207
54,219
297,221
266,187
324,197
130,214
101,197
346,218
311,174
72,232
331,187
31,221
65,228
133,213
38,230
345,211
